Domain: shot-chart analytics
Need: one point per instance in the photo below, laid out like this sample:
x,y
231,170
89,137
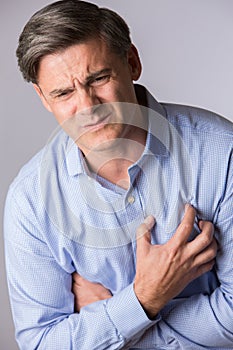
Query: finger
x,y
205,238
185,228
204,268
78,279
149,221
145,227
75,275
206,225
207,254
144,235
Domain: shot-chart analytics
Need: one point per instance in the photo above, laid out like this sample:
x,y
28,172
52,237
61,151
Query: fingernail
x,y
149,221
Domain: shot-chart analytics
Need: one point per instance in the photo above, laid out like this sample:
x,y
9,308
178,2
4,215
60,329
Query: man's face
x,y
80,85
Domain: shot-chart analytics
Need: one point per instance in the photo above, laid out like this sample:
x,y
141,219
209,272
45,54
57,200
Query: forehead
x,y
82,59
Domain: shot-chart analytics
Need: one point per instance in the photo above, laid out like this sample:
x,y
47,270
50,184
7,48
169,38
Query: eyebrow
x,y
60,91
88,80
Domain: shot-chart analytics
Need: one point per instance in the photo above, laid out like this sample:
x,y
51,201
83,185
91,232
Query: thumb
x,y
144,235
76,277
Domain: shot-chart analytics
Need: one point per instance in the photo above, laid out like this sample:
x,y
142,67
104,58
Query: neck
x,y
113,163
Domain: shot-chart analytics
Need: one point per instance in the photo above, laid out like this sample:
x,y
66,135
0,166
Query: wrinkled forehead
x,y
82,59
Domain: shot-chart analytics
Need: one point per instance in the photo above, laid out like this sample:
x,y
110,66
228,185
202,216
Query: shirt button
x,y
131,199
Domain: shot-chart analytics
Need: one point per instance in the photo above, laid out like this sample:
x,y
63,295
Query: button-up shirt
x,y
61,218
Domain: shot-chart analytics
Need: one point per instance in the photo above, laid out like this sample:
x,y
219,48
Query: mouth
x,y
98,124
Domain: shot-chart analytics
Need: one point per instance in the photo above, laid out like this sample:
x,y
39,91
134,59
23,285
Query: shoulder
x,y
198,119
27,174
27,181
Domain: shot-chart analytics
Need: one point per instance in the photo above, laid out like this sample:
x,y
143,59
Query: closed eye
x,y
100,80
64,93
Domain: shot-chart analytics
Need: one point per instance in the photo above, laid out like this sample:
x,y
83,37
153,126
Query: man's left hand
x,y
87,292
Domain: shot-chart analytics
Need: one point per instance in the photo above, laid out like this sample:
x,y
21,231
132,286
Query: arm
x,y
42,301
188,316
175,264
210,316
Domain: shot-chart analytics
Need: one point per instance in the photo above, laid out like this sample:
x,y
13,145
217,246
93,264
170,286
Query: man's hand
x,y
87,292
163,271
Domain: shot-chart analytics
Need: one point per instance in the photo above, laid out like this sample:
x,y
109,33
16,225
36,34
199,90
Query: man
x,y
79,277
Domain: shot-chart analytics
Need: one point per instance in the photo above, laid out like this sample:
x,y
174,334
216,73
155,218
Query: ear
x,y
42,97
134,63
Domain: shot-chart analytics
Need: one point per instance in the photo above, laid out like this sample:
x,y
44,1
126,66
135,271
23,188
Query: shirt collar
x,y
75,160
145,99
157,137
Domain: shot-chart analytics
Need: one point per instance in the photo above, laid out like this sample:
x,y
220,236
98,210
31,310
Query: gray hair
x,y
64,23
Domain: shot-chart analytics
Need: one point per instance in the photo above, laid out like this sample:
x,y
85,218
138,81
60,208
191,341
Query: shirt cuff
x,y
127,314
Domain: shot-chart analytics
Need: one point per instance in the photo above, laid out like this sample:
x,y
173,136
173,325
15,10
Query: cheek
x,y
105,94
125,93
113,91
64,111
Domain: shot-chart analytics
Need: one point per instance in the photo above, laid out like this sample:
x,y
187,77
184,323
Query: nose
x,y
87,101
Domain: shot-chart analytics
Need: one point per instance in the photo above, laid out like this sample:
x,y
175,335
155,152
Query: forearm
x,y
100,325
43,308
198,322
42,302
91,329
201,320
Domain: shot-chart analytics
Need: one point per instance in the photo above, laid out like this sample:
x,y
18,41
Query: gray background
x,y
187,52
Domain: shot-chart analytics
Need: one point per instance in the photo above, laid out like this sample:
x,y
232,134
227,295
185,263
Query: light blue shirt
x,y
60,218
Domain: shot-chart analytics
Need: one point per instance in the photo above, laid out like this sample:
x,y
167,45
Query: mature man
x,y
79,277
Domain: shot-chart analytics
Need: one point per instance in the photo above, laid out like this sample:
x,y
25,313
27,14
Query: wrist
x,y
149,306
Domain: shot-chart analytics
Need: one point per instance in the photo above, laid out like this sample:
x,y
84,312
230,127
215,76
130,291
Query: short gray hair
x,y
64,23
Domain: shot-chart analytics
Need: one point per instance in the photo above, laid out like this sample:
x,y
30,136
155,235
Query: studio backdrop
x,y
186,51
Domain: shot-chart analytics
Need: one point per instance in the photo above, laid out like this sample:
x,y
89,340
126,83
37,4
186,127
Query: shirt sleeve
x,y
43,304
207,320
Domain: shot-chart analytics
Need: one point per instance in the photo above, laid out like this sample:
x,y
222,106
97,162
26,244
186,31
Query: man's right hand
x,y
163,271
